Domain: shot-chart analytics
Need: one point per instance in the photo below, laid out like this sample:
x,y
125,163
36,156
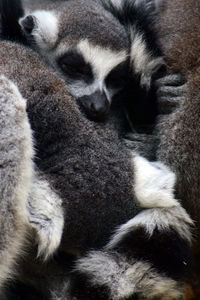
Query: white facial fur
x,y
102,60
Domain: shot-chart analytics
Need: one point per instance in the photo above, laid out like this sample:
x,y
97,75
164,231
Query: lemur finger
x,y
170,91
141,137
166,105
172,80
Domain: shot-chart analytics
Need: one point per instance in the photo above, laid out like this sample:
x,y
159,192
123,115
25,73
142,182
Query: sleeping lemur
x,y
100,60
117,71
95,157
99,186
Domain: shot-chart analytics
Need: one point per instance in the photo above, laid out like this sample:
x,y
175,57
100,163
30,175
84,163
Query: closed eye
x,y
73,66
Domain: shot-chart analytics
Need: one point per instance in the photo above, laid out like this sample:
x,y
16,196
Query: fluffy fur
x,y
86,165
16,172
45,214
179,132
124,278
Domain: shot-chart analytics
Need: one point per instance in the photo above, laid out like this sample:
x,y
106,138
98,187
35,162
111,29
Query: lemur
x,y
97,185
16,168
56,167
93,78
179,33
100,74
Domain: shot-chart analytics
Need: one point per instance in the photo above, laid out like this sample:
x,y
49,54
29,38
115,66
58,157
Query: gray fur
x,y
177,127
179,132
70,32
86,149
86,165
45,214
95,35
16,171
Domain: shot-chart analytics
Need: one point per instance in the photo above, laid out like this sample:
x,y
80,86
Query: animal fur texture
x,y
179,132
90,179
95,177
16,170
112,66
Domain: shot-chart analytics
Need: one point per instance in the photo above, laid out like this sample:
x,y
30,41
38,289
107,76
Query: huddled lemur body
x,y
179,32
99,73
101,185
114,79
89,180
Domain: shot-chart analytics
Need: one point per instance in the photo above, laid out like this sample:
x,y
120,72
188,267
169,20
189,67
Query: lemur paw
x,y
170,92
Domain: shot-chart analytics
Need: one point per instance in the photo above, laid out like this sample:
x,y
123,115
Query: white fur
x,y
163,219
97,56
46,216
45,31
154,183
140,57
142,61
102,60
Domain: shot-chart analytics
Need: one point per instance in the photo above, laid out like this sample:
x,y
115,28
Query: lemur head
x,y
87,45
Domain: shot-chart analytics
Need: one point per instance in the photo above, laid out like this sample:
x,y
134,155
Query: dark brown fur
x,y
179,29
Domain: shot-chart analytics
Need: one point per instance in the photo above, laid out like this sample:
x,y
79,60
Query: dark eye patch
x,y
117,77
75,67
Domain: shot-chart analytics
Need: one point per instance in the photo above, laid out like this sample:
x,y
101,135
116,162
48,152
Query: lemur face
x,y
87,46
93,75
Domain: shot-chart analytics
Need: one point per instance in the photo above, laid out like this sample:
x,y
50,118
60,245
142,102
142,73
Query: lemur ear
x,y
27,24
42,26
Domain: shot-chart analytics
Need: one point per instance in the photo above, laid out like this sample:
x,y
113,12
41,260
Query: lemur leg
x,y
16,153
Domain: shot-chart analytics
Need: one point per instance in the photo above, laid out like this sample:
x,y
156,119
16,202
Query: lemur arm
x,y
170,94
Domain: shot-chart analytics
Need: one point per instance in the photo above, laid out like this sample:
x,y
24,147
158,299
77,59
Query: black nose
x,y
96,106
